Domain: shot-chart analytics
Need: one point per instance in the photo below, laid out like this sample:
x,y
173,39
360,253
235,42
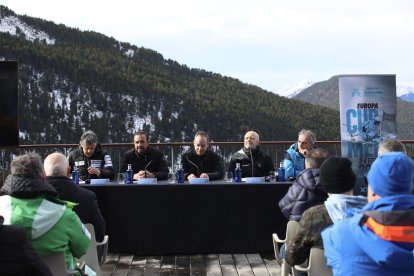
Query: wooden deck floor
x,y
212,265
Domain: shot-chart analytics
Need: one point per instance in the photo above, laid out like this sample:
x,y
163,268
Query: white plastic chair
x,y
91,256
57,264
317,264
291,229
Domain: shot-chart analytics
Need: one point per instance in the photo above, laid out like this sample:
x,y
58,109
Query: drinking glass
x,y
171,177
121,178
272,176
229,177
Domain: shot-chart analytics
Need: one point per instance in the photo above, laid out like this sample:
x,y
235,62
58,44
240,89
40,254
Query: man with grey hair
x,y
57,171
28,201
90,159
294,162
253,161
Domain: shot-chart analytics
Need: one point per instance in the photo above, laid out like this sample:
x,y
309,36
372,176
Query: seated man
x,y
305,191
379,240
253,162
338,180
201,161
91,160
146,161
57,170
294,162
17,255
28,201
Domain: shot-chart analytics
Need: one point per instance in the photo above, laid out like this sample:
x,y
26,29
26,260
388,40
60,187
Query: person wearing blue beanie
x,y
379,240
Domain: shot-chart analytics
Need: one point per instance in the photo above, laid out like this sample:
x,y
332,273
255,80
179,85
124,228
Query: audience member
x,y
28,201
146,161
338,180
390,145
17,255
294,162
253,162
379,240
92,161
306,191
57,170
201,161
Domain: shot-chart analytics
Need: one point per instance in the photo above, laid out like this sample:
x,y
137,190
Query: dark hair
x,y
202,133
142,132
89,138
315,157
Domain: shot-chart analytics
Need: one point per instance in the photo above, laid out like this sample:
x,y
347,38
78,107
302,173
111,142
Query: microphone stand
x,y
251,159
145,169
198,170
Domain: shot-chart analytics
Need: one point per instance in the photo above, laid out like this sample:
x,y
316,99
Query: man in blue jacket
x,y
380,239
294,162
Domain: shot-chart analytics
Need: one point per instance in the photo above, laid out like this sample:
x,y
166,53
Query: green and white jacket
x,y
49,222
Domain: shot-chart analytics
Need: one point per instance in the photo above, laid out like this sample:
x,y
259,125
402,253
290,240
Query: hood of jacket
x,y
22,187
399,210
340,206
30,203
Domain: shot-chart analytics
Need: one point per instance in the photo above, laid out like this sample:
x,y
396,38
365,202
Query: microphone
x,y
145,169
198,170
251,159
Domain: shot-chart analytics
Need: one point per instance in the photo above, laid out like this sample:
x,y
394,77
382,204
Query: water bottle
x,y
75,175
281,173
129,175
180,174
237,174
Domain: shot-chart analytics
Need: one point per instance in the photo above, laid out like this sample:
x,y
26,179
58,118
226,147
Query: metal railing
x,y
171,151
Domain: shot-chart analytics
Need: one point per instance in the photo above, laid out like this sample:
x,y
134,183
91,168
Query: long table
x,y
166,218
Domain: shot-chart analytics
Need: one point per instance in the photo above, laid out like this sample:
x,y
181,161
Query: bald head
x,y
251,140
56,164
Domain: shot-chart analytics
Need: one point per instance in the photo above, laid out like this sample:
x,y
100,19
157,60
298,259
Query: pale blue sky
x,y
268,43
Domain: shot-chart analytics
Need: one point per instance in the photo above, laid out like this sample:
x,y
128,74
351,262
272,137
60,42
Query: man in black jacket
x,y
57,169
17,255
253,162
146,161
91,160
201,161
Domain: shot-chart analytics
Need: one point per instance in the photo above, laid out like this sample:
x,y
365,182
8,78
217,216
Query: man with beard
x,y
146,161
201,161
253,162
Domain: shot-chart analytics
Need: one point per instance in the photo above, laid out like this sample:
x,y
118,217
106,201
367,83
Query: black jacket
x,y
17,255
262,163
88,210
139,162
304,193
99,158
209,163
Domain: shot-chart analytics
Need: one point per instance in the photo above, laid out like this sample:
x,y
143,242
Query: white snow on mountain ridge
x,y
15,26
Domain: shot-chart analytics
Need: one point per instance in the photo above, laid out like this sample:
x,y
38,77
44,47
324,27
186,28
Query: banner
x,y
368,110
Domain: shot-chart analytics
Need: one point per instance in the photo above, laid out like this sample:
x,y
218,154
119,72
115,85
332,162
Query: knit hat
x,y
391,174
336,175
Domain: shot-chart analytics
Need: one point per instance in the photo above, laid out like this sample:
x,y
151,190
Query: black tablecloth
x,y
191,219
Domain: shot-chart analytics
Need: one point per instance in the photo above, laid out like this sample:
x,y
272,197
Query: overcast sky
x,y
268,43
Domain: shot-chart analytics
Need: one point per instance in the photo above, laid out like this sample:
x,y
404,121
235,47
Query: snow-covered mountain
x,y
405,89
14,26
292,90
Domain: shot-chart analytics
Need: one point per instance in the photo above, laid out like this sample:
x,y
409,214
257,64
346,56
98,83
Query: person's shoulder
x,y
86,193
129,152
74,153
